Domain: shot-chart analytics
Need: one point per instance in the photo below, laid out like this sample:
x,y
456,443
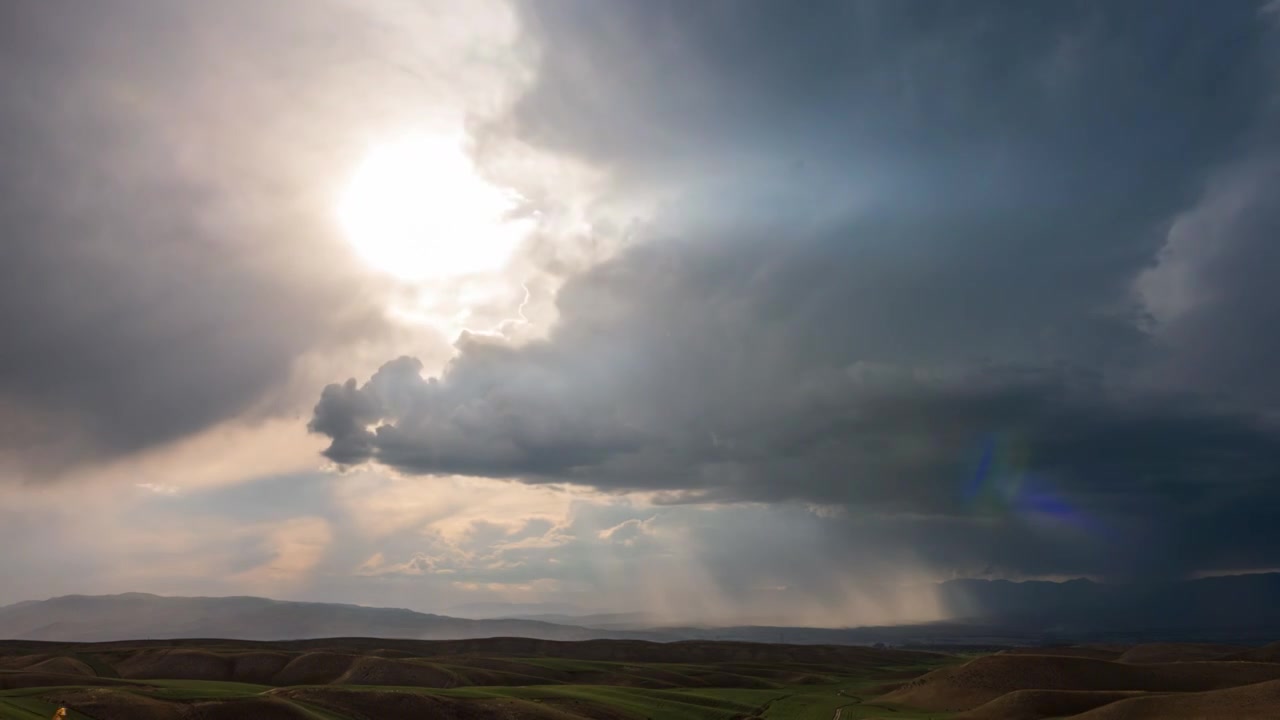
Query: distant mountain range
x,y
599,621
141,616
490,610
1241,608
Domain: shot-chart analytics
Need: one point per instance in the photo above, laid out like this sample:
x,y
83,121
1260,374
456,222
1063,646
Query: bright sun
x,y
417,209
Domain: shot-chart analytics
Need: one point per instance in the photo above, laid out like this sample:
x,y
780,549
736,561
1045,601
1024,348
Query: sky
x,y
734,311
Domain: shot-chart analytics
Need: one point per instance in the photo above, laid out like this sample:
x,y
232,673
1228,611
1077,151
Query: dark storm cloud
x,y
1211,294
660,378
164,259
995,182
994,96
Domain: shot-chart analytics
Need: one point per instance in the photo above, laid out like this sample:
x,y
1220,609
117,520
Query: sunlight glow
x,y
417,209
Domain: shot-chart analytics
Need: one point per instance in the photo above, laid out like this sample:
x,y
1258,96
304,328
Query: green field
x,y
826,691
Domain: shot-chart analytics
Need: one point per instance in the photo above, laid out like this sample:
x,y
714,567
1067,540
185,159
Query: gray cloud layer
x,y
900,230
166,205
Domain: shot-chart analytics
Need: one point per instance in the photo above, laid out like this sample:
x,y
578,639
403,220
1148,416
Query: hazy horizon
x,y
715,310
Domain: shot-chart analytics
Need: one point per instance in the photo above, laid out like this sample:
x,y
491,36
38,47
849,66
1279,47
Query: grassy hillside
x,y
189,699
515,679
354,680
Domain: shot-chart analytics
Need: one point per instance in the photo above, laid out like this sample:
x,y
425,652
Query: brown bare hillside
x,y
508,671
1177,652
321,668
380,671
583,711
1251,702
59,664
21,661
697,652
257,667
1083,651
984,679
444,664
1038,704
62,666
483,670
315,668
255,708
15,679
115,705
176,664
366,705
104,704
393,654
1266,653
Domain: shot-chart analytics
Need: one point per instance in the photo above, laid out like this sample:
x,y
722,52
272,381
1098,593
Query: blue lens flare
x,y
1005,483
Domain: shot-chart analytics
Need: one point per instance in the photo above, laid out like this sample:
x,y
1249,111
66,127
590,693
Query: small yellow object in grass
x,y
61,713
